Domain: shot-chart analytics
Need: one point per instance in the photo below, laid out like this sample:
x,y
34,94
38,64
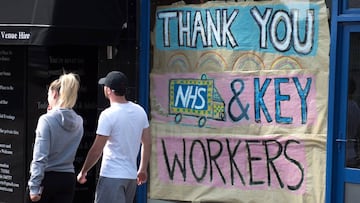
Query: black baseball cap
x,y
116,81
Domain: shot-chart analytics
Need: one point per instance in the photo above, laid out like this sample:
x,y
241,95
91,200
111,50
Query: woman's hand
x,y
35,198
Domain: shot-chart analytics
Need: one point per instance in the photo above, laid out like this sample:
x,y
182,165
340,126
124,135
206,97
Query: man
x,y
122,128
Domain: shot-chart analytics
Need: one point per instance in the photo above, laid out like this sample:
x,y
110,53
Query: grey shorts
x,y
115,190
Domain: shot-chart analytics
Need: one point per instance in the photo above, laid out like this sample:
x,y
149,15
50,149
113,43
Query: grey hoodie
x,y
58,135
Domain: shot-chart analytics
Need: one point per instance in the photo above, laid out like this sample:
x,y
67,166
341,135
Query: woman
x,y
58,135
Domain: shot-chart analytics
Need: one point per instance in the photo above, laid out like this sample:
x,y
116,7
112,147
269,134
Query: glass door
x,y
352,150
347,137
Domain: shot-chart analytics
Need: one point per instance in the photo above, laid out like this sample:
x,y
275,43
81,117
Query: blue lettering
x,y
278,98
190,96
259,100
303,93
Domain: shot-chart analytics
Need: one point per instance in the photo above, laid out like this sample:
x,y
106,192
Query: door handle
x,y
341,140
345,140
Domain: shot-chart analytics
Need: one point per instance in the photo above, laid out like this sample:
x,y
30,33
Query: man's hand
x,y
81,178
141,177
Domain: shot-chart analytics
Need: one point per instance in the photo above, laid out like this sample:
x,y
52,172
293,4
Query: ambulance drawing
x,y
195,97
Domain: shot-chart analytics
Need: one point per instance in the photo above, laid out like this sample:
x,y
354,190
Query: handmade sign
x,y
239,102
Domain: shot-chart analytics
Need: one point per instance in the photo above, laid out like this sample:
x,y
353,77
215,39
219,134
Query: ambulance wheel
x,y
202,122
178,118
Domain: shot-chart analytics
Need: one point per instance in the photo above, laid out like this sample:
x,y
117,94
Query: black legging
x,y
59,187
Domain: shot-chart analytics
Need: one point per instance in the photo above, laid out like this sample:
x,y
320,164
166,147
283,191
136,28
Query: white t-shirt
x,y
124,124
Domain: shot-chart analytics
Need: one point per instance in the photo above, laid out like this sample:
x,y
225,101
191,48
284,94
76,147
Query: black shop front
x,y
40,40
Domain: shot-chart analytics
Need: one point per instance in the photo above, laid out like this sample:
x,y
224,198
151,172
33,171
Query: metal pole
x,y
144,47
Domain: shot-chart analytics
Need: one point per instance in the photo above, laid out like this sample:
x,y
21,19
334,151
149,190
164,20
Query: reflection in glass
x,y
354,4
353,114
352,193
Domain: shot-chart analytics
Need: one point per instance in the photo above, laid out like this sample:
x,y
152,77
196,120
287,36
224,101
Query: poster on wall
x,y
82,61
239,101
12,128
47,64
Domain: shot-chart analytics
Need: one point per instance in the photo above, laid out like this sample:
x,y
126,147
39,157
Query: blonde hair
x,y
67,87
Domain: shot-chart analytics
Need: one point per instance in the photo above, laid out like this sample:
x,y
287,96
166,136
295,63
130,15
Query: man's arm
x,y
92,157
145,156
